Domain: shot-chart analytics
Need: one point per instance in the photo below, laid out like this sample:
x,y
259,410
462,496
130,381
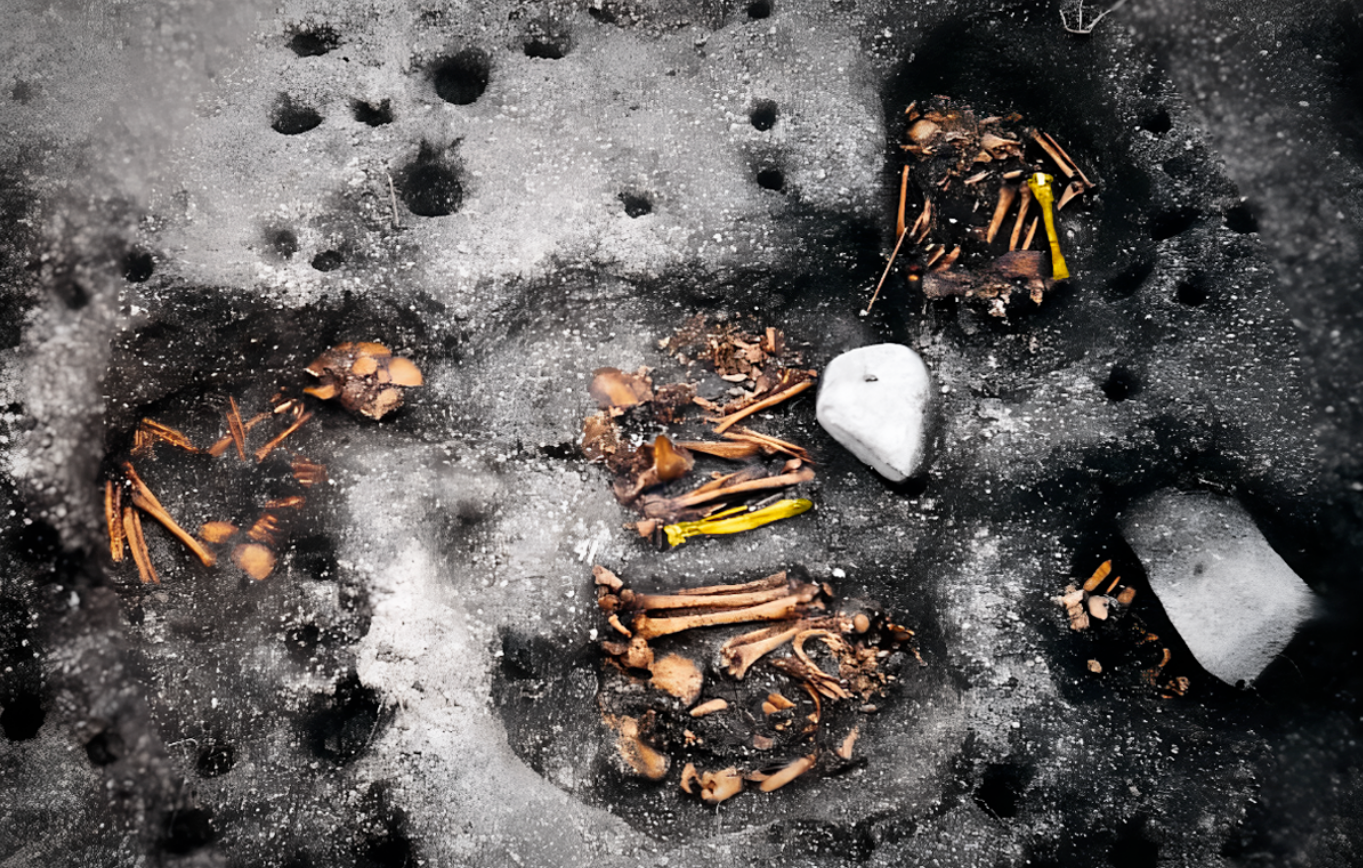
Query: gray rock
x,y
1230,596
874,401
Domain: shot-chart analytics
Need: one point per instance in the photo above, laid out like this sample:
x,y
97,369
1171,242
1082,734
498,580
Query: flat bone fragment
x,y
678,676
254,559
217,531
1234,601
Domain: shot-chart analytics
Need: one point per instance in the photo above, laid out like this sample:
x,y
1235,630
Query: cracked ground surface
x,y
197,201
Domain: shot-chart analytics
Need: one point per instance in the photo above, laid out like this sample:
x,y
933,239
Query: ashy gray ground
x,y
198,198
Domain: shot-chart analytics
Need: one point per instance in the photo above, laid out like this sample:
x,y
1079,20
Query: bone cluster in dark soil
x,y
530,202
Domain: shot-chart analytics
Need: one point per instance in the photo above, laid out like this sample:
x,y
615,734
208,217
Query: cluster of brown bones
x,y
796,614
764,373
366,377
1086,603
961,156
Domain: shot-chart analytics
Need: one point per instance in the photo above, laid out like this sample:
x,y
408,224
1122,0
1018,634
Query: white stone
x,y
874,401
1230,596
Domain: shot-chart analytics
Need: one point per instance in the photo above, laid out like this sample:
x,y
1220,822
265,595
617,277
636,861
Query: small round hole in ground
x,y
1167,224
290,118
462,78
283,242
771,179
138,266
188,829
429,188
763,114
1001,789
1132,278
1120,384
1192,291
23,715
759,9
104,748
1241,218
23,92
216,759
546,48
636,205
1158,123
373,114
1134,847
313,42
328,260
344,723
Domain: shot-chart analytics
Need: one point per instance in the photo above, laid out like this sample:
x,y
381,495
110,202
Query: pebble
x,y
874,401
1230,596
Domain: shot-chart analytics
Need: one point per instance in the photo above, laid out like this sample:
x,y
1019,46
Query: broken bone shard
x,y
874,401
1230,596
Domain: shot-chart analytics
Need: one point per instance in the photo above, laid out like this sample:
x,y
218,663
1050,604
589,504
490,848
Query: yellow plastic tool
x,y
735,520
1042,190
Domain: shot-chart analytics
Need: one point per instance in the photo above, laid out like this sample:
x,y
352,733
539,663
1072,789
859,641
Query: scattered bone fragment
x,y
605,578
263,452
1097,607
779,701
716,787
721,425
1095,667
710,706
1098,575
689,776
1126,596
788,774
641,757
366,376
215,532
845,749
255,559
678,676
613,389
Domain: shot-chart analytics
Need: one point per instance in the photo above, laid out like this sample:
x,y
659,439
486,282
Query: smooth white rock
x,y
874,401
1230,596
